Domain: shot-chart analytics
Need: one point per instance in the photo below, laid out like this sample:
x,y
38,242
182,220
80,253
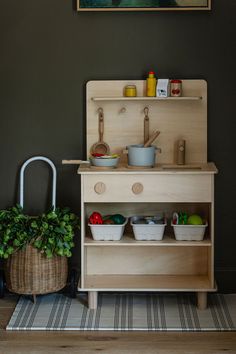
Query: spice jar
x,y
130,91
176,88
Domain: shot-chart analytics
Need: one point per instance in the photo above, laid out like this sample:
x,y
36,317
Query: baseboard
x,y
225,278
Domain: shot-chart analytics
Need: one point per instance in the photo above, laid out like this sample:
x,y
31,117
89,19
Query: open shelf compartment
x,y
148,283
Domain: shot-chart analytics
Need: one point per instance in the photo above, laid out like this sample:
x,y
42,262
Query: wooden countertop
x,y
207,168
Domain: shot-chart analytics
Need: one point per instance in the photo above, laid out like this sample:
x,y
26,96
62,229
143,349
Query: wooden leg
x,y
202,300
92,300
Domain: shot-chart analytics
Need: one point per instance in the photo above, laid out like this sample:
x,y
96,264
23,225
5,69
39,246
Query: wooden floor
x,y
109,342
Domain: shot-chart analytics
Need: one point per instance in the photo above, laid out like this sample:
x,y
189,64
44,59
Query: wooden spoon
x,y
146,125
152,138
100,147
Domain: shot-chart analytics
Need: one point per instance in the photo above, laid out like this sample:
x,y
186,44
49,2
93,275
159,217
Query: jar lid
x,y
175,81
130,86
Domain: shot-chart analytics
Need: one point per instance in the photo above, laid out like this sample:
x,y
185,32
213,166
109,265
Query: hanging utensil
x,y
100,147
152,138
146,125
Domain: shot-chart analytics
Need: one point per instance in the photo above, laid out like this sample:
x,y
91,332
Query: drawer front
x,y
147,188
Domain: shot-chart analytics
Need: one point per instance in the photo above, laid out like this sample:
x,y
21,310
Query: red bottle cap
x,y
175,81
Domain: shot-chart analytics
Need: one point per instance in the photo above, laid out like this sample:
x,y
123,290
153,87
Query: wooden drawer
x,y
147,188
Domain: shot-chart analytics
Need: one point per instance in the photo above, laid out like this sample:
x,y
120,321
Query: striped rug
x,y
125,312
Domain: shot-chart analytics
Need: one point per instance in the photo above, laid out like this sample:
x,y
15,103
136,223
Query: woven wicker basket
x,y
30,272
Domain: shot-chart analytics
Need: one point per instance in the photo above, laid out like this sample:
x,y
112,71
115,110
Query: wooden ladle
x,y
100,147
152,138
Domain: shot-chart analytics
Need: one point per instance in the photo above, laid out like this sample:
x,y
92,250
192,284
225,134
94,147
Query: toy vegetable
x,y
95,218
118,219
183,217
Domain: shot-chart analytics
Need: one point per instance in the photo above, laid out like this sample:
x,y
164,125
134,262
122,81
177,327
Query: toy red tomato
x,y
97,154
95,218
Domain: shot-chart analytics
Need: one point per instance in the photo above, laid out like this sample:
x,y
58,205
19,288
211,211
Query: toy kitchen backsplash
x,y
146,123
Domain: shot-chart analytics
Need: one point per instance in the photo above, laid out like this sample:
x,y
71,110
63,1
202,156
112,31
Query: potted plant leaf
x,y
36,248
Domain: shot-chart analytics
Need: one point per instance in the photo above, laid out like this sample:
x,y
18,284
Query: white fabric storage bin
x,y
189,232
147,232
107,232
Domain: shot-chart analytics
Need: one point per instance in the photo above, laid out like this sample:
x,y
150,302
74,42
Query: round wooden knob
x,y
137,188
100,187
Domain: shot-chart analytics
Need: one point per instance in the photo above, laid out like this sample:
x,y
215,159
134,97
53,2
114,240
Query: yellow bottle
x,y
151,84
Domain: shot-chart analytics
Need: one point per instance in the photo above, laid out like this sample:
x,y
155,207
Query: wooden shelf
x,y
142,98
147,283
129,240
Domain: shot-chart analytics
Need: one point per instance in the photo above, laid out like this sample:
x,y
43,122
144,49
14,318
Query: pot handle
x,y
54,178
158,149
74,162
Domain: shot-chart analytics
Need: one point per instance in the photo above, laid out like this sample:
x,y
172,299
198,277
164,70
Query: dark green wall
x,y
49,51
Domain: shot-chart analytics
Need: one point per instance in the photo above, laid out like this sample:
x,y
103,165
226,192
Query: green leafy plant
x,y
51,233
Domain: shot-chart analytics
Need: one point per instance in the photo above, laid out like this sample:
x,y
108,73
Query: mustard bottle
x,y
151,84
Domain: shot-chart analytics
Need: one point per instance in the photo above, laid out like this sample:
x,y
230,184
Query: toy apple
x,y
194,220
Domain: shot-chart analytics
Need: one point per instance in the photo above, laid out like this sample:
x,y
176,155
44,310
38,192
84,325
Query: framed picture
x,y
142,5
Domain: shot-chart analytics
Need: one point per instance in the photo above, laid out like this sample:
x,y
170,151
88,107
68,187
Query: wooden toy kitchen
x,y
168,186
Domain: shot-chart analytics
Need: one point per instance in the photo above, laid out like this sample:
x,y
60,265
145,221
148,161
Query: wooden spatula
x,y
152,138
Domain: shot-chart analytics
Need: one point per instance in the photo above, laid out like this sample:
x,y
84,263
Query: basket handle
x,y
54,180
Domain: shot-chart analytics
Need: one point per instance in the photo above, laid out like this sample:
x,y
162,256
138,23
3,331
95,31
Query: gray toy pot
x,y
141,156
